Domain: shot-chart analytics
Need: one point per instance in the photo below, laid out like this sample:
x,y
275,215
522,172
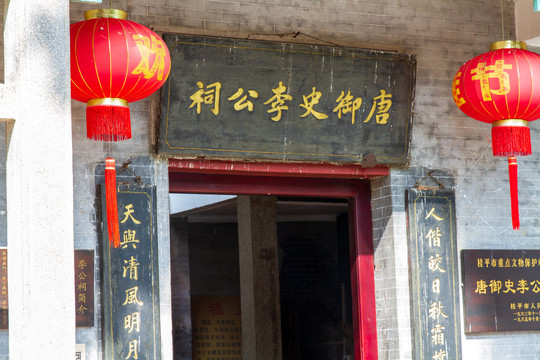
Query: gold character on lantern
x,y
483,73
456,92
147,46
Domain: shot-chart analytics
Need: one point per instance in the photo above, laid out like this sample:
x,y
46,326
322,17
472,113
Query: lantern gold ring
x,y
507,44
108,102
510,122
105,13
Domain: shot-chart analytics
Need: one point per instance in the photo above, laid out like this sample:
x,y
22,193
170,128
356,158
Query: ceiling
x,y
287,210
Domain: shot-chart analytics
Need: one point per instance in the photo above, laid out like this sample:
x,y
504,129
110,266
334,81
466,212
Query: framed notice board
x,y
217,327
84,288
501,290
263,100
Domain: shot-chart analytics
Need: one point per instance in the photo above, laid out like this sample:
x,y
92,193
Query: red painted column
x,y
362,276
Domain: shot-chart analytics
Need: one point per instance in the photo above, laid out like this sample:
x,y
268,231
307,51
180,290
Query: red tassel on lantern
x,y
108,120
511,137
514,203
111,204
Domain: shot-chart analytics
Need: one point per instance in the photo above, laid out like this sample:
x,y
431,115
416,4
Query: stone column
x,y
181,291
39,181
259,278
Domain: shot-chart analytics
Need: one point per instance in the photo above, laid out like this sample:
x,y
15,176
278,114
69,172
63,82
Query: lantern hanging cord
x,y
109,4
508,20
502,19
505,14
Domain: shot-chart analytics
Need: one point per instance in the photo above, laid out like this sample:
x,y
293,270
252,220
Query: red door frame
x,y
309,180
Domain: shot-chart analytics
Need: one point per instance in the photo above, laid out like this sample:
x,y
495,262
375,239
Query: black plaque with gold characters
x,y
130,290
501,289
434,274
239,98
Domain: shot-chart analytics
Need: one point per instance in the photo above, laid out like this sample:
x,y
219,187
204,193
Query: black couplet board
x,y
434,274
501,289
280,101
131,327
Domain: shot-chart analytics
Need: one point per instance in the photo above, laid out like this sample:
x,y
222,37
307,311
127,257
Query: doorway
x,y
323,286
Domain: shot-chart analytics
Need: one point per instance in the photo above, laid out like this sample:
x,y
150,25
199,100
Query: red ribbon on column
x,y
111,203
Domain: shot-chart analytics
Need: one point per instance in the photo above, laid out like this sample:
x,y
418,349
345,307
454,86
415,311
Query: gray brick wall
x,y
443,34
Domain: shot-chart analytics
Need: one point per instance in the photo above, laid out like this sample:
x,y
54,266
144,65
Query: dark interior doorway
x,y
314,280
315,291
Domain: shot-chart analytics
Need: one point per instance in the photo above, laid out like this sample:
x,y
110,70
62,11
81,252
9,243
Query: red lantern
x,y
501,87
114,61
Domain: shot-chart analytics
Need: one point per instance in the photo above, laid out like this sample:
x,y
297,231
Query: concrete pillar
x,y
181,295
39,181
259,278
